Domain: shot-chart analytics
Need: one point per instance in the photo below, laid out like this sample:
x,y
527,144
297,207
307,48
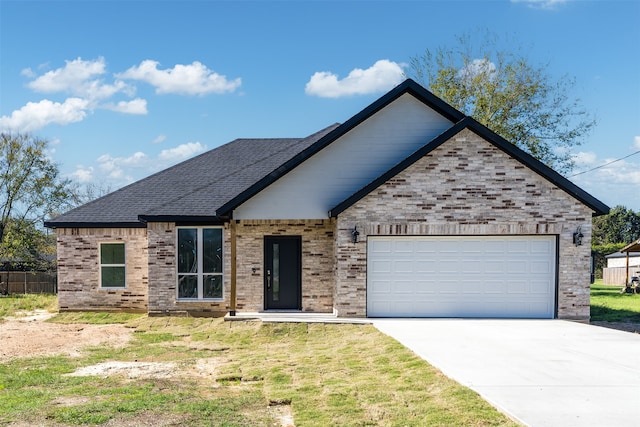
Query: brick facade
x,y
163,279
466,187
317,261
79,269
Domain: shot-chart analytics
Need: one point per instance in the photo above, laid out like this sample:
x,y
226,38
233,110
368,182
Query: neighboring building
x,y
614,273
409,208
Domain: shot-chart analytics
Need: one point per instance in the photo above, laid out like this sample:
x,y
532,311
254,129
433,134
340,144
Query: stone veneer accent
x,y
466,186
79,269
317,261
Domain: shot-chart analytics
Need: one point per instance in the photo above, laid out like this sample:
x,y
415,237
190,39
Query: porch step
x,y
293,317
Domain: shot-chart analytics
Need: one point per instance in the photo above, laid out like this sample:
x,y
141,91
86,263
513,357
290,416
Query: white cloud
x,y
380,77
36,115
615,183
192,79
82,174
181,152
541,4
135,106
477,67
67,78
583,159
636,142
159,139
115,166
123,170
79,78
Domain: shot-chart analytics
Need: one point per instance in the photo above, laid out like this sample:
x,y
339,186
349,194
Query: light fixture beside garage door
x,y
354,234
577,236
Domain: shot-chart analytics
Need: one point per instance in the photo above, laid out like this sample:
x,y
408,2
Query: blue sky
x,y
122,89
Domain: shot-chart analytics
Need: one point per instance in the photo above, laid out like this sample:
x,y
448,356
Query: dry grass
x,y
241,374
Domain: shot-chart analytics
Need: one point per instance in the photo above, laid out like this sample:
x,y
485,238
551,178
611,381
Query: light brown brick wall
x,y
79,269
466,187
317,261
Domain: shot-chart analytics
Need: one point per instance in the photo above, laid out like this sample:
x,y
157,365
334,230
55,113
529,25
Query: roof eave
x,y
86,224
632,247
184,219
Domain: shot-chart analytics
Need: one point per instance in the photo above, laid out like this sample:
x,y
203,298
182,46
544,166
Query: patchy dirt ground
x,y
28,336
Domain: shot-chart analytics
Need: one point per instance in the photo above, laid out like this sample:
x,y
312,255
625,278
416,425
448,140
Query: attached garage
x,y
462,276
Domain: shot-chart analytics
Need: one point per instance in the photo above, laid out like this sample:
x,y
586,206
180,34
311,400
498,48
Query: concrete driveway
x,y
538,372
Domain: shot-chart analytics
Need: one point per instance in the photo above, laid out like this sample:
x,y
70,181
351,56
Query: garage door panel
x,y
470,268
448,266
490,266
381,266
494,287
453,276
541,267
425,267
518,247
518,287
472,287
517,266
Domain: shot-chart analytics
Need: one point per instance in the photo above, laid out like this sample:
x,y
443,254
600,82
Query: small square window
x,y
112,265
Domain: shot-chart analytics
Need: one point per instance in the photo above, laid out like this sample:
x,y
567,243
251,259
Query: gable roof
x,y
207,188
408,86
518,154
190,191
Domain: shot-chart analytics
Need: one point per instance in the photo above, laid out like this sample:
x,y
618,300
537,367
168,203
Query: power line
x,y
606,164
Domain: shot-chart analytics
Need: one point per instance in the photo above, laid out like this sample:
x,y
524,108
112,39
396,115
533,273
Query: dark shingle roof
x,y
194,189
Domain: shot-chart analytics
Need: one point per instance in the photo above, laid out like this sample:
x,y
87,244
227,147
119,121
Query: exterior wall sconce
x,y
577,236
354,234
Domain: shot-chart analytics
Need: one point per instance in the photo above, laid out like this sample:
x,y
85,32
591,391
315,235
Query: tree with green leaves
x,y
613,232
505,92
621,225
31,188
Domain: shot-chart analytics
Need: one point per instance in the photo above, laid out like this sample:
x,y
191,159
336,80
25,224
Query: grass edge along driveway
x,y
324,375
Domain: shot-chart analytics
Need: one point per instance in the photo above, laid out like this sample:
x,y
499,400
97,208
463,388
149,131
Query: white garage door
x,y
513,276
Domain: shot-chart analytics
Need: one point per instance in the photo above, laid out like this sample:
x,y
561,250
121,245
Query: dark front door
x,y
282,272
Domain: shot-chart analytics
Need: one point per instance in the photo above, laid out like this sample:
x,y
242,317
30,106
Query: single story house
x,y
407,209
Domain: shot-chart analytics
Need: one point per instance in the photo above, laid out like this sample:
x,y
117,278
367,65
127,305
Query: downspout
x,y
232,303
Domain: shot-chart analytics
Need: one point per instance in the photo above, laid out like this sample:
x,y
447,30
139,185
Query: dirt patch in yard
x,y
28,336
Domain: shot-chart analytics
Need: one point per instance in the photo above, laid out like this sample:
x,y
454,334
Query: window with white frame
x,y
199,263
112,265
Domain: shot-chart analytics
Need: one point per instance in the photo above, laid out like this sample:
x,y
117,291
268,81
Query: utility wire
x,y
606,164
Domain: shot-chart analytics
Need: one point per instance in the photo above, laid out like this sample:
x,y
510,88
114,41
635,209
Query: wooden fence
x,y
28,282
616,275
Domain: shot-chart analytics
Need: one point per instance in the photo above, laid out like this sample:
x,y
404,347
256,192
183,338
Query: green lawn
x,y
325,375
610,305
17,304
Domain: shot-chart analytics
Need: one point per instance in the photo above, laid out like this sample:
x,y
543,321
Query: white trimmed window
x,y
199,263
112,265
